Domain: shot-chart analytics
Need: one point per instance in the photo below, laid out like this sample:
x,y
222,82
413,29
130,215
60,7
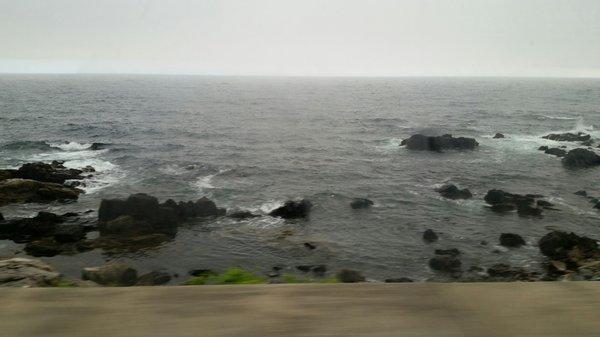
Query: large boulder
x,y
568,137
557,245
21,272
581,158
439,143
27,191
293,209
450,191
430,236
111,274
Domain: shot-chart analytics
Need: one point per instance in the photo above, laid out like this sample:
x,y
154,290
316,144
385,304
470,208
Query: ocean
x,y
251,143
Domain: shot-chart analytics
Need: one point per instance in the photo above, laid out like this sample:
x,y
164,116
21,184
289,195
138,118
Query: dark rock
x,y
112,274
568,137
450,252
358,203
45,247
319,270
445,263
398,280
7,174
1,217
430,236
511,240
304,268
350,276
544,203
542,148
241,215
153,278
201,272
581,193
141,213
557,245
439,143
581,158
588,142
293,209
556,152
452,192
504,272
503,201
22,230
50,173
69,233
310,245
498,135
27,191
98,146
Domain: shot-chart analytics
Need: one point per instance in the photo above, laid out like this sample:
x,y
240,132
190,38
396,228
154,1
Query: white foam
x,y
560,117
205,182
71,146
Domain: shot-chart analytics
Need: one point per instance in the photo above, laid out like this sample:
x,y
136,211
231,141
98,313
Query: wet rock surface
x,y
581,158
568,137
358,203
293,209
31,191
450,191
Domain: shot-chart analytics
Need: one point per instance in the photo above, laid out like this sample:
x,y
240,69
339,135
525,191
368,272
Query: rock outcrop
x,y
27,191
439,143
358,203
503,201
293,209
511,240
581,158
568,137
111,274
450,191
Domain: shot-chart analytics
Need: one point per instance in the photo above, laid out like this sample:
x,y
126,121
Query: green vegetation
x,y
232,276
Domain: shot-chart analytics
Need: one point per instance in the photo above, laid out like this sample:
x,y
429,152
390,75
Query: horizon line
x,y
302,76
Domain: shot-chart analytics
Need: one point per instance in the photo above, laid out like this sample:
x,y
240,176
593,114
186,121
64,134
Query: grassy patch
x,y
232,276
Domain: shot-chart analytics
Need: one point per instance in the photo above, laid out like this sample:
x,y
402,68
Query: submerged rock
x,y
581,158
293,209
241,215
450,191
581,193
430,236
1,217
439,143
112,274
568,137
21,272
511,240
27,191
358,203
543,148
498,135
350,276
445,263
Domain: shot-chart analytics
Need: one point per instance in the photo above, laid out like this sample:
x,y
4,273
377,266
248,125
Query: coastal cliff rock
x,y
21,272
26,191
293,209
581,158
439,143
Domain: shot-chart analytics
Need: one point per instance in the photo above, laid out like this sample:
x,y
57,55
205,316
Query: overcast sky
x,y
302,37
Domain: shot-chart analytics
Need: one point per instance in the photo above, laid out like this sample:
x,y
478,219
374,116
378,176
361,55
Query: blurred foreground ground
x,y
425,309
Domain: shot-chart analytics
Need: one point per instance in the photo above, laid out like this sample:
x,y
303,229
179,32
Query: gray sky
x,y
303,37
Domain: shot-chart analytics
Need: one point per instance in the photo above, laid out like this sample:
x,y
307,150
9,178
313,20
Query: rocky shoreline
x,y
141,221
